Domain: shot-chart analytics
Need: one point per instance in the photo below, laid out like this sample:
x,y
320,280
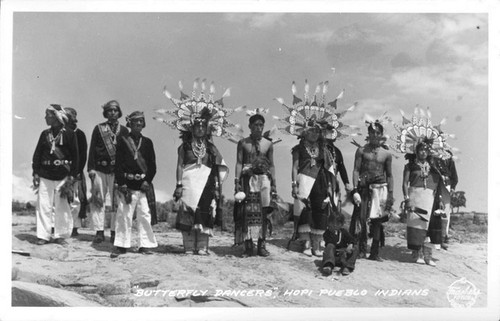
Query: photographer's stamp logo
x,y
462,294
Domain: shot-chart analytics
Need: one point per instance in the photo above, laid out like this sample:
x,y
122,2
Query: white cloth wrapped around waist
x,y
379,194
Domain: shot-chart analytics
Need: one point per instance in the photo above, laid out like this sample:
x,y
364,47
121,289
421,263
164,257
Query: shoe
x,y
41,242
375,258
202,252
189,252
346,271
145,250
99,237
336,269
261,248
327,270
61,241
112,237
316,245
75,233
420,257
446,239
444,246
248,248
428,256
307,252
118,251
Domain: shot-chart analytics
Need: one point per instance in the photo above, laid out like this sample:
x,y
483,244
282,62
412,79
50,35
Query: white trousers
x,y
75,206
105,184
124,216
52,210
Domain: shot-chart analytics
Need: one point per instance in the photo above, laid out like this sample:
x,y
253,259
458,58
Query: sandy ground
x,y
223,279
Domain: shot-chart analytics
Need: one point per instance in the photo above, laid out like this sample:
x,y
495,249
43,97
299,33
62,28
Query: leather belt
x,y
57,162
136,177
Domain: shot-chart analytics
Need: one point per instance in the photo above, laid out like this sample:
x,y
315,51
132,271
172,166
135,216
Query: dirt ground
x,y
169,278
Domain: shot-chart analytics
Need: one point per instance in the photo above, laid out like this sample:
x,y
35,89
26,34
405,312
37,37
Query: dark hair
x,y
256,117
107,105
379,128
338,219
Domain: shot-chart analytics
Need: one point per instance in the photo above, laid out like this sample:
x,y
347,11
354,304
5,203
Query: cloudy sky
x,y
386,62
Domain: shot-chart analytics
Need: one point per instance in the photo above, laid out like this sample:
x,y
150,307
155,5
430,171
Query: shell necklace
x,y
424,171
199,150
313,151
53,140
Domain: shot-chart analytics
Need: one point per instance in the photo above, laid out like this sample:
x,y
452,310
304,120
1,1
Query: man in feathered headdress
x,y
373,190
101,165
201,169
256,180
55,164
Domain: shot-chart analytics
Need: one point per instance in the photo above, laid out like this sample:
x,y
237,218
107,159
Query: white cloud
x,y
256,20
21,188
440,81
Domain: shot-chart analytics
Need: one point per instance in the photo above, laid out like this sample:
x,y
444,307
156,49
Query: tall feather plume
x,y
306,92
166,93
325,90
280,100
211,92
341,95
294,88
318,90
203,87
180,86
227,93
195,87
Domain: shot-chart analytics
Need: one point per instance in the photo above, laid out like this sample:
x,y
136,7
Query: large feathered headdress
x,y
420,129
315,112
196,107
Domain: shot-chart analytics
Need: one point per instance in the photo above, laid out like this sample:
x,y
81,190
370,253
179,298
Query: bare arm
x,y
178,175
388,174
270,157
295,171
238,167
180,163
406,182
357,166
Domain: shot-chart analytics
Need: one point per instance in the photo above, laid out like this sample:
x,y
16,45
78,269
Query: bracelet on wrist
x,y
178,185
294,183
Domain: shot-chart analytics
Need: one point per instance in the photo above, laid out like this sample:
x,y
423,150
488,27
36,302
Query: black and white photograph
x,y
314,160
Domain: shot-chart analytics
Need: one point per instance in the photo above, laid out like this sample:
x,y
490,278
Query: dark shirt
x,y
82,149
98,152
126,164
43,160
341,238
448,170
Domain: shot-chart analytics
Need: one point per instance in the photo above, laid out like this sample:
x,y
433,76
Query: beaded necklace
x,y
313,152
199,150
53,139
114,129
424,171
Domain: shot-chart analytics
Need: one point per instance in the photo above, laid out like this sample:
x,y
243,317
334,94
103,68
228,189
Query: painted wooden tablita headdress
x,y
198,108
419,129
315,112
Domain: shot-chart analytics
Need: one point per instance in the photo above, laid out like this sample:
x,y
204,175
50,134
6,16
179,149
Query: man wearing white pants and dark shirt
x,y
101,164
55,164
134,172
